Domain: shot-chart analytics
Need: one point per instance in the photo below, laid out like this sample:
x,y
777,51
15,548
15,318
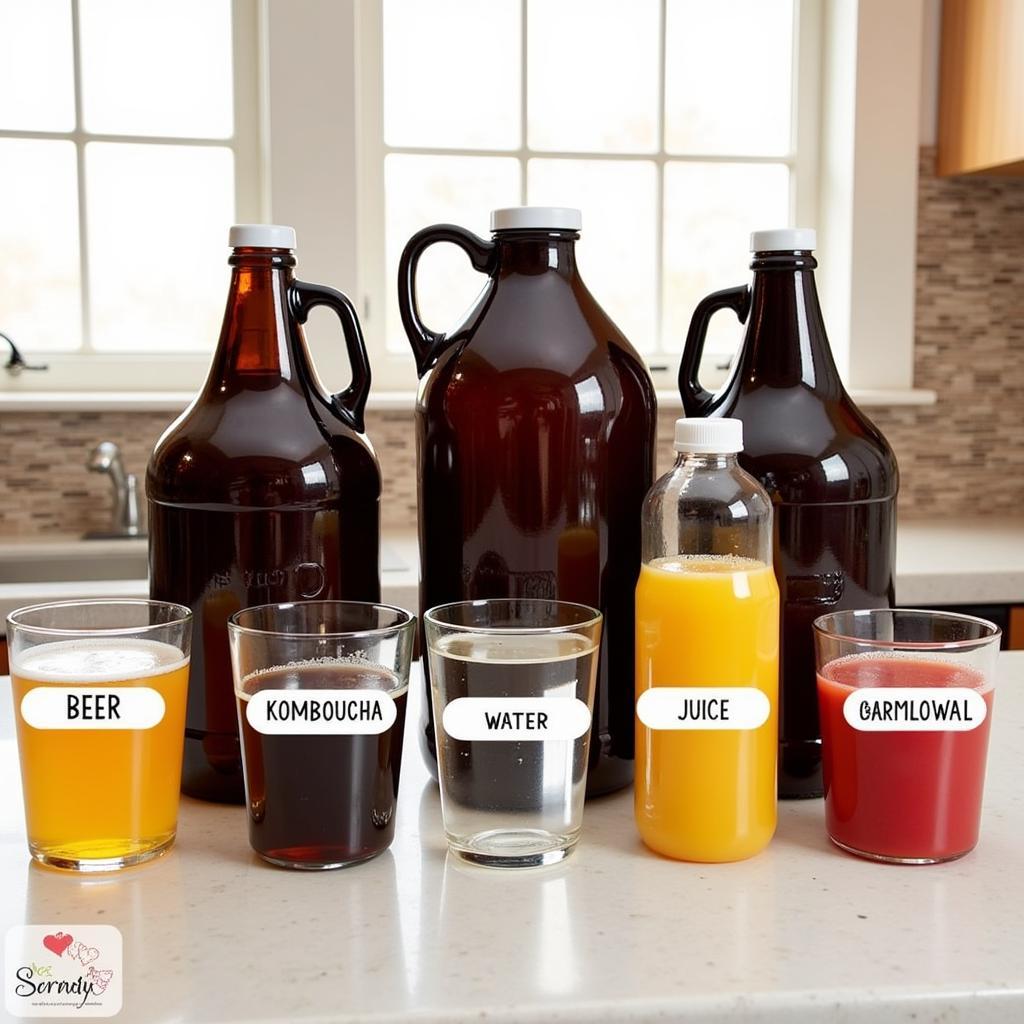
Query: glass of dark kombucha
x,y
321,689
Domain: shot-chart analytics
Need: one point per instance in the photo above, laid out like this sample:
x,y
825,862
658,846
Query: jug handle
x,y
697,400
303,297
482,254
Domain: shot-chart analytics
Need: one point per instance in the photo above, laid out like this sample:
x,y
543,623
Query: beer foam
x,y
97,660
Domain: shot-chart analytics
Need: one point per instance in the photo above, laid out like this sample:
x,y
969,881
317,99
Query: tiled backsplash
x,y
44,486
963,455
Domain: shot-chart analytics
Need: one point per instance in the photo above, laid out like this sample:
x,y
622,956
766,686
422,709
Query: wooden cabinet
x,y
981,88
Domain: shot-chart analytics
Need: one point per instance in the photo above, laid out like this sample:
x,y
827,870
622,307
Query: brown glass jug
x,y
831,474
264,490
535,445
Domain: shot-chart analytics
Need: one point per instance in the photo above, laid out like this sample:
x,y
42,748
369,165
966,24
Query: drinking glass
x,y
321,689
512,683
905,699
99,696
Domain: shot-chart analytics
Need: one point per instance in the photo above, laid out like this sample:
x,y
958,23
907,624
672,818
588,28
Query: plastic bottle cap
x,y
261,236
783,240
709,436
555,218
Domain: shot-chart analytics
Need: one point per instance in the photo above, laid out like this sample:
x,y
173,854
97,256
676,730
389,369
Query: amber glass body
x,y
535,429
264,490
831,474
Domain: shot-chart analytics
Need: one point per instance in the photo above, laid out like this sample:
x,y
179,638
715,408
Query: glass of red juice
x,y
905,702
320,688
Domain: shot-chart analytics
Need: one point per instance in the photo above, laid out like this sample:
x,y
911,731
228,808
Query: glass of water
x,y
512,683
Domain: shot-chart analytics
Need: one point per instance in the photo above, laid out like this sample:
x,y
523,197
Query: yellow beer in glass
x,y
99,693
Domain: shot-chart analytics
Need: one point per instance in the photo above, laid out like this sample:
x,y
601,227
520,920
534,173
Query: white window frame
x,y
396,371
86,369
872,59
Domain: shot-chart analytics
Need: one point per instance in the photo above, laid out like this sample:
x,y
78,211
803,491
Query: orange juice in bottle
x,y
707,653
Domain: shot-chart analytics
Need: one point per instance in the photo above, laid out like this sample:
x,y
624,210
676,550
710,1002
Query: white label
x,y
703,707
92,707
915,709
513,719
321,712
63,970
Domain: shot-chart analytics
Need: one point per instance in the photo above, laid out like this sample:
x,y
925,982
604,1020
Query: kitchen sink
x,y
74,561
65,568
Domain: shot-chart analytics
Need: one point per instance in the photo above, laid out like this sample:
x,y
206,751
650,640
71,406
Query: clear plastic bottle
x,y
707,650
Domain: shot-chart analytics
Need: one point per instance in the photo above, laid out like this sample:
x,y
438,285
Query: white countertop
x,y
960,561
802,934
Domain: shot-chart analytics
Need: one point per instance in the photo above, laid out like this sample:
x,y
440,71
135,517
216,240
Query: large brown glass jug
x,y
535,442
264,490
831,474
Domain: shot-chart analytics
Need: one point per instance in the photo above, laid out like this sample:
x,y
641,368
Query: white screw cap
x,y
554,218
261,236
783,240
709,436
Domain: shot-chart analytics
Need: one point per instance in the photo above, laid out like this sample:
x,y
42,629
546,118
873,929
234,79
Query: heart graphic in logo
x,y
57,943
100,980
80,951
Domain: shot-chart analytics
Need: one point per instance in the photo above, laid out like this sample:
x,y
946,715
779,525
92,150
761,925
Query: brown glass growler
x,y
535,429
264,490
831,474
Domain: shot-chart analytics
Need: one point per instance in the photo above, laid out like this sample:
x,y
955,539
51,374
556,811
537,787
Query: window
x,y
676,125
127,147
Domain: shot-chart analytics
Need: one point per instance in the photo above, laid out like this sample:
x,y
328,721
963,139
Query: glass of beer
x,y
512,683
321,688
99,696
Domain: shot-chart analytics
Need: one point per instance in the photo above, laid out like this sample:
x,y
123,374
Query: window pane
x,y
710,210
451,73
40,297
157,69
422,190
158,222
36,65
617,246
728,69
593,75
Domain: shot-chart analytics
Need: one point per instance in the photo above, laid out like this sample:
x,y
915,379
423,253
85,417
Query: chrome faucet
x,y
106,458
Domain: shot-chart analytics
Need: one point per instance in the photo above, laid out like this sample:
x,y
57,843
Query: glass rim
x,y
182,615
594,616
992,634
381,631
